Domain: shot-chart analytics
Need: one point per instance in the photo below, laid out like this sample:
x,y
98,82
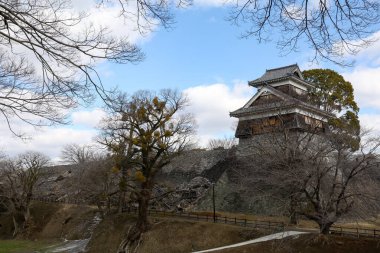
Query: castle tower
x,y
281,102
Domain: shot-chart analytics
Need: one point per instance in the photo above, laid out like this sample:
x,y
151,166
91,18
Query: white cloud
x,y
109,16
366,83
370,54
88,118
211,105
370,122
50,140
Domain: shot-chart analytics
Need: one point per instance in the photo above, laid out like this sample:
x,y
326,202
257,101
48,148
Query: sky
x,y
203,56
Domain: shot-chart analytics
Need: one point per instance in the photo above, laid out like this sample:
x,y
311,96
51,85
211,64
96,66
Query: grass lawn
x,y
22,246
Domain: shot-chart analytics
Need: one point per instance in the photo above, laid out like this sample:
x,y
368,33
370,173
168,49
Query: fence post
x,y
374,233
341,231
245,222
235,220
225,219
357,231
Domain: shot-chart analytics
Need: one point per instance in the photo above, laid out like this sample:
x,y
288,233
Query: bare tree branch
x,y
332,29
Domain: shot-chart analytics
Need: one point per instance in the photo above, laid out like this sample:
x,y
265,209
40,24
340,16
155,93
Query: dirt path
x,y
276,236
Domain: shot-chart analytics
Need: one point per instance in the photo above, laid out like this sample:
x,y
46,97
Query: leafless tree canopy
x,y
148,14
79,154
331,28
224,143
18,179
46,65
322,177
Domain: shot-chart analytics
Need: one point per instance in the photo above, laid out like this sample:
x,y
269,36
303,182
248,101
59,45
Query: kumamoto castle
x,y
281,100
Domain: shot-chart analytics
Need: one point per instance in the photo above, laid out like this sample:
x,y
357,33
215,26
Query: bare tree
x,y
331,28
18,180
62,74
96,183
144,132
225,143
322,177
79,154
149,14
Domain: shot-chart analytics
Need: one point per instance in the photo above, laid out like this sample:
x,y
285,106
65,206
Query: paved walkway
x,y
276,236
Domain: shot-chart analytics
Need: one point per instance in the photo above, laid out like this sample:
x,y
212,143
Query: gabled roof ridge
x,y
279,73
284,67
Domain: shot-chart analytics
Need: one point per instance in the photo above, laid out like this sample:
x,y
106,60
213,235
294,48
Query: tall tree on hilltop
x,y
336,95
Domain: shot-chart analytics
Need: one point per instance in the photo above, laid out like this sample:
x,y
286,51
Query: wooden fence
x,y
271,225
355,232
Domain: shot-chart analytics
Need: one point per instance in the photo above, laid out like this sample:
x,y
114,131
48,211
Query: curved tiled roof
x,y
270,75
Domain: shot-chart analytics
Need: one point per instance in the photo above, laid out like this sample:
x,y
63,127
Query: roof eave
x,y
261,83
241,112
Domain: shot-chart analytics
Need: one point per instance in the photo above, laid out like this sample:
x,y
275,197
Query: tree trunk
x,y
121,202
142,221
293,218
293,211
16,226
142,225
324,227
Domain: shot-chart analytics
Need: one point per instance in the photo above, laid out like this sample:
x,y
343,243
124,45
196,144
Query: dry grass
x,y
69,221
176,236
110,233
168,235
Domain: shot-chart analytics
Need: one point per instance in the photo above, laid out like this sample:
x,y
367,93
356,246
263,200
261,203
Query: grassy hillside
x,y
168,235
